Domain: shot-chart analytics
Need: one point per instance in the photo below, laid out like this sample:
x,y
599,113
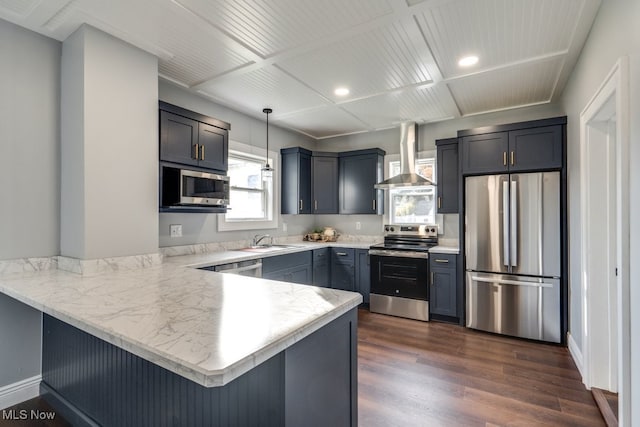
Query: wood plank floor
x,y
414,373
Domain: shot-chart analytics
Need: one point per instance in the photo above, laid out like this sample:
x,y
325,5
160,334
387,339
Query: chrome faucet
x,y
258,238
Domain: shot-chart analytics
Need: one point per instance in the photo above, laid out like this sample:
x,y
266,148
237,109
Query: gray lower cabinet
x,y
294,268
443,289
322,267
343,269
363,274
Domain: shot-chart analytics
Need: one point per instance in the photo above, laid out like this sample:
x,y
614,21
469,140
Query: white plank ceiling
x,y
399,58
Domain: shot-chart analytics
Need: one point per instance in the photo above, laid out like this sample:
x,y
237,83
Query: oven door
x,y
402,275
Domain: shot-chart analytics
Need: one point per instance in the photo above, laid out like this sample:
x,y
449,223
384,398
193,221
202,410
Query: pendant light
x,y
267,170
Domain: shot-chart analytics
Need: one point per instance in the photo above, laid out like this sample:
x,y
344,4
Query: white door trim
x,y
615,85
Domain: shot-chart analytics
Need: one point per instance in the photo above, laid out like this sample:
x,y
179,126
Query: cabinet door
x,y
178,139
535,149
295,183
321,267
448,173
485,153
299,274
213,146
325,185
363,273
343,269
358,175
443,285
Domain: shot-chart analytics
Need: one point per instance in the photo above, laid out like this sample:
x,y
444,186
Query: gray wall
x,y
109,181
20,352
613,35
29,143
203,228
29,177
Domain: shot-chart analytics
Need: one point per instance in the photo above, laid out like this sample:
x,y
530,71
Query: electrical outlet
x,y
358,225
284,226
175,230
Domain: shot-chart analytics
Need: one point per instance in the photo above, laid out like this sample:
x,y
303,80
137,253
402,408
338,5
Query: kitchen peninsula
x,y
170,344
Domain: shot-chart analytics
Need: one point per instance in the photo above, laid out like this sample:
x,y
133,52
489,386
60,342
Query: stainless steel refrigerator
x,y
512,248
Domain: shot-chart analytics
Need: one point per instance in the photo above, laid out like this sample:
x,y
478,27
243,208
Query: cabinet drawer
x,y
343,255
443,260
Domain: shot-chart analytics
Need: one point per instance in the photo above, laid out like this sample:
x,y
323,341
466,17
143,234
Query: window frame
x,y
250,152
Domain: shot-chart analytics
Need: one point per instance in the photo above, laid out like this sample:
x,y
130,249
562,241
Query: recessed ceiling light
x,y
341,91
468,61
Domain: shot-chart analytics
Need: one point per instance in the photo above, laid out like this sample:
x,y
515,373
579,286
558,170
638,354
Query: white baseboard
x,y
576,354
15,393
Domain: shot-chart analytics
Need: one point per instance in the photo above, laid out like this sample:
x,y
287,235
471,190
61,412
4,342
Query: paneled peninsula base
x,y
311,383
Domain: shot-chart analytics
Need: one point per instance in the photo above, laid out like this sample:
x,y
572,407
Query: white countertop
x,y
208,327
441,249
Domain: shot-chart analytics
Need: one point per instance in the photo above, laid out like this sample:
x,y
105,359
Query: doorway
x,y
604,194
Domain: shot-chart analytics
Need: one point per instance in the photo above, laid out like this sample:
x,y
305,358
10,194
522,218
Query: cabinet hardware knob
x,y
504,158
202,152
300,204
196,149
513,158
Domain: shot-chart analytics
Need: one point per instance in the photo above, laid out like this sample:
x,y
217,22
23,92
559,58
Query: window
x,y
251,200
409,205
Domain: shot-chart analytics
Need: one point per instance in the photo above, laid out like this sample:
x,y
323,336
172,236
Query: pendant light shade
x,y
267,170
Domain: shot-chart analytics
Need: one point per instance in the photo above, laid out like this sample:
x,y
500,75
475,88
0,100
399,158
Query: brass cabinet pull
x,y
504,158
300,204
202,152
195,151
444,261
439,202
513,158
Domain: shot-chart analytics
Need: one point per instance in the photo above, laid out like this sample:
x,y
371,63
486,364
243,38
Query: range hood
x,y
408,176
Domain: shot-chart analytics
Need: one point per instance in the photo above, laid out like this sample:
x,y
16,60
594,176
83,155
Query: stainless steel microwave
x,y
183,187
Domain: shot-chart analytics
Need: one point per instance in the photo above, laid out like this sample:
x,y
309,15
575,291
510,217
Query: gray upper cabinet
x,y
359,172
325,183
485,153
535,149
516,147
192,139
447,175
295,181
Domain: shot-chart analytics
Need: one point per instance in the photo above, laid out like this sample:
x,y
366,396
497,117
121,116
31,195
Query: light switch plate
x,y
175,230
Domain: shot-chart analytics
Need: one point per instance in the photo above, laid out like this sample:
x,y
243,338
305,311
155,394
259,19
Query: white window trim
x,y
244,224
388,159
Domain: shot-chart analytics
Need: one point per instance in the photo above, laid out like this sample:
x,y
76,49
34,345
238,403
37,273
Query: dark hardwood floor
x,y
434,374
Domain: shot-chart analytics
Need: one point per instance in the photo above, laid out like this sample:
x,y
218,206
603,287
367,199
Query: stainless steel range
x,y
400,270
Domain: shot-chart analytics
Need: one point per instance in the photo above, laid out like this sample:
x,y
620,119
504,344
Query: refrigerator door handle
x,y
505,223
513,257
511,282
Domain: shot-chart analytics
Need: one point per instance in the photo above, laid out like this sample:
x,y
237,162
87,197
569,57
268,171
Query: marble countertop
x,y
441,249
208,327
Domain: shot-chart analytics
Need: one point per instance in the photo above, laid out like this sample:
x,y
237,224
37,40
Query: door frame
x,y
615,88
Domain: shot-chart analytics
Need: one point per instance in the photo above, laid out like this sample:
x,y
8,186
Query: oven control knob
x,y
433,230
393,229
386,229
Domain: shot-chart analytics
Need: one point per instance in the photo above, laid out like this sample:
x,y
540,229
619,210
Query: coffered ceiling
x,y
398,58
